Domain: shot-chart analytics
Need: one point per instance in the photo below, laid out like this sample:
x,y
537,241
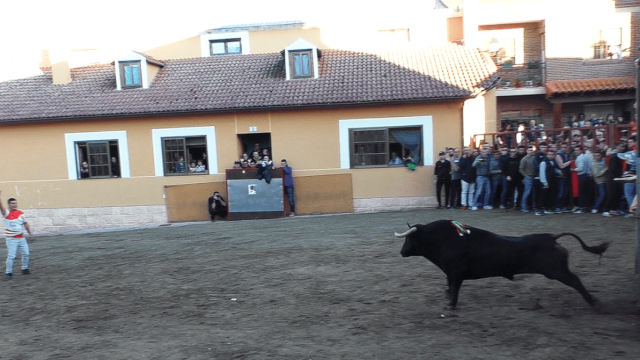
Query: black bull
x,y
481,254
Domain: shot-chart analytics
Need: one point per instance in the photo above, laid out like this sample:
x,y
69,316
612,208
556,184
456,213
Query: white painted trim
x,y
208,131
123,147
427,134
539,90
243,35
301,44
144,68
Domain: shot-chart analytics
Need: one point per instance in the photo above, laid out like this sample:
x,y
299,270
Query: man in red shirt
x,y
15,224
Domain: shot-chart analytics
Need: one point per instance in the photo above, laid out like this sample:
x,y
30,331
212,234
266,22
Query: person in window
x,y
236,165
395,159
115,167
84,170
245,157
192,166
180,166
252,164
264,169
256,156
256,147
217,206
201,167
360,156
245,164
265,152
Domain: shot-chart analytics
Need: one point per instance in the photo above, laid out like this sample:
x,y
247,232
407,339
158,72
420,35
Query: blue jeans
x,y
292,204
563,191
494,190
13,245
483,187
503,194
602,192
528,186
468,189
629,193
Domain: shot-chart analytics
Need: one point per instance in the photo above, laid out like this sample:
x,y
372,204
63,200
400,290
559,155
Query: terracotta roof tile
x,y
579,86
245,82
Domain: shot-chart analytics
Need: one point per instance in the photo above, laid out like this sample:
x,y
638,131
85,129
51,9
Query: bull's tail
x,y
598,250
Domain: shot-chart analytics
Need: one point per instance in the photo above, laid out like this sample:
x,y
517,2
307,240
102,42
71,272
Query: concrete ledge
x,y
61,221
392,204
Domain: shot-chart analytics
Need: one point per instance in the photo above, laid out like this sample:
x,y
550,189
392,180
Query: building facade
x,y
108,146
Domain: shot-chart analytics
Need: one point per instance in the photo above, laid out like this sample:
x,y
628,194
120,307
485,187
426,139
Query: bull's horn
x,y
406,233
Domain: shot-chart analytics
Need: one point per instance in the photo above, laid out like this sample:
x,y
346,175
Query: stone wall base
x,y
393,204
60,221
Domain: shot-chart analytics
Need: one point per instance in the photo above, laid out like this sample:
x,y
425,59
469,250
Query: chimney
x,y
60,70
61,73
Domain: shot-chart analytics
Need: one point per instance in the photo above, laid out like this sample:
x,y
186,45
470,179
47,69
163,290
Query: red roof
x,y
580,86
253,82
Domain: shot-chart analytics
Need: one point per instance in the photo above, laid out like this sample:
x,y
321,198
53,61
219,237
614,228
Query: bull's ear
x,y
409,225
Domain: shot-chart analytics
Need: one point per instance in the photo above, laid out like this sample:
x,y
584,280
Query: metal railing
x,y
588,137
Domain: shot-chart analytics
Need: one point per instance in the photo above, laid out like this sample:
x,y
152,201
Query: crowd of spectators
x,y
542,173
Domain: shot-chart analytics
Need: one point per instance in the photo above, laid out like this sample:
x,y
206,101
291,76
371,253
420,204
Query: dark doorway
x,y
249,141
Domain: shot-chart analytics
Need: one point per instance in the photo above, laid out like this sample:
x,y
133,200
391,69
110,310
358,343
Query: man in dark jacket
x,y
217,206
468,178
615,188
442,172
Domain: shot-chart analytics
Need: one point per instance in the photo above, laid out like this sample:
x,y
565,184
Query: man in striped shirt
x,y
15,224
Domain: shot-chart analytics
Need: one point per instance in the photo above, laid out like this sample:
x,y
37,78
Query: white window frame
x,y
71,139
299,45
207,131
144,69
427,134
242,35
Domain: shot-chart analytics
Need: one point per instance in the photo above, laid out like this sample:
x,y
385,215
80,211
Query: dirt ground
x,y
317,287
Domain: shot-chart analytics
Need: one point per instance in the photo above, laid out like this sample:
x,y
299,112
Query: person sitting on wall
x,y
264,169
84,170
217,206
201,167
395,159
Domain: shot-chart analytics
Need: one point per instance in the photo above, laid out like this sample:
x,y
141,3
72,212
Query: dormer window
x,y
130,74
225,47
136,70
301,60
301,63
225,43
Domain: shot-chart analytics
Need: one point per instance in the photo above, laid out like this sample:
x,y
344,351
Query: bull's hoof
x,y
450,308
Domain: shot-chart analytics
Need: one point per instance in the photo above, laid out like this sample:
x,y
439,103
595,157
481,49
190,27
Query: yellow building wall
x,y
181,49
309,139
271,41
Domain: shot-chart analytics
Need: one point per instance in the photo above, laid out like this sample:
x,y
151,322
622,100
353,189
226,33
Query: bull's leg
x,y
570,279
454,289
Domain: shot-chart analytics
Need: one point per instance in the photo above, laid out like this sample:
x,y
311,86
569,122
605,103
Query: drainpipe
x,y
637,106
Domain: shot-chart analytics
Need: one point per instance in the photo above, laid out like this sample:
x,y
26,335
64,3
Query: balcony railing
x,y
592,137
520,76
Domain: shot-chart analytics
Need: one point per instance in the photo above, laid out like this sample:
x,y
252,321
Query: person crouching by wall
x,y
217,206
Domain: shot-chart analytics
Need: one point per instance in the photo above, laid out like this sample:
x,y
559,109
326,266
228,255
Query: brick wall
x,y
577,68
635,33
532,43
627,3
